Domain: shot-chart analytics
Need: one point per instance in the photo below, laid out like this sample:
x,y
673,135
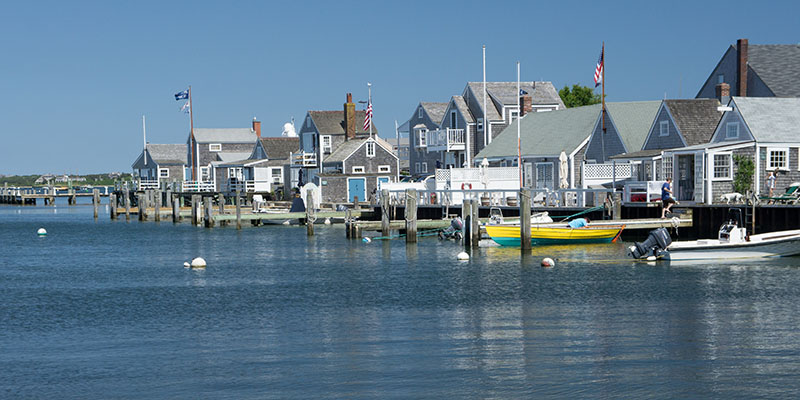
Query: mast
x,y
369,104
144,140
519,122
193,142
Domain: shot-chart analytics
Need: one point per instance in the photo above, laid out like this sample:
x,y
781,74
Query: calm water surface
x,y
106,310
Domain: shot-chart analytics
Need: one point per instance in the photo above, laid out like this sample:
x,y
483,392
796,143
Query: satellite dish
x,y
288,130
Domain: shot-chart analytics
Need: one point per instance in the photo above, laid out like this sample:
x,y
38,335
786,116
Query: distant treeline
x,y
91,179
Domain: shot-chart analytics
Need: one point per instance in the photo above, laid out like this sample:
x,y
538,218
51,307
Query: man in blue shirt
x,y
666,197
578,223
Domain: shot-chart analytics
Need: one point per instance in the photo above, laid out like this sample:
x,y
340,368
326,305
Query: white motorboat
x,y
732,243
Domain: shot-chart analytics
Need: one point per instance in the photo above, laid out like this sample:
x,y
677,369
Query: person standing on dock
x,y
771,176
666,197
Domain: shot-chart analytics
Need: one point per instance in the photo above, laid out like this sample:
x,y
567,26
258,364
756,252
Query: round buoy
x,y
366,240
463,256
41,232
186,265
286,222
548,262
651,258
198,262
327,221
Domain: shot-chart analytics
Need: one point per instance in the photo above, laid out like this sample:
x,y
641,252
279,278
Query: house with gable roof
x,y
763,129
462,121
158,164
208,149
266,170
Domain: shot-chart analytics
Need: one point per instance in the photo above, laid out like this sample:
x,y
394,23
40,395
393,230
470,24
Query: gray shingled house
x,y
758,70
265,170
462,121
160,163
209,148
762,128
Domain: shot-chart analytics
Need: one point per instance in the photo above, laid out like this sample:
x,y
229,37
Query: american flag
x,y
368,117
598,71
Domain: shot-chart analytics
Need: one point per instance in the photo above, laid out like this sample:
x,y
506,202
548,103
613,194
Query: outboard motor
x,y
656,245
454,231
733,230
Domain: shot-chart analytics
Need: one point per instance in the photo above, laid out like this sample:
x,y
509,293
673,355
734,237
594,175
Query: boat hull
x,y
510,235
779,244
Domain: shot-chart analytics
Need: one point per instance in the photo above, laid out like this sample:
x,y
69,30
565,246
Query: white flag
x,y
185,107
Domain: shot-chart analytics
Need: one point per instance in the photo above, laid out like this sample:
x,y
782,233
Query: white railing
x,y
304,159
495,197
642,191
144,184
248,186
198,186
446,139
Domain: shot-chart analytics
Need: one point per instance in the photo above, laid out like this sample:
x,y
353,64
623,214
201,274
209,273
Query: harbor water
x,y
105,309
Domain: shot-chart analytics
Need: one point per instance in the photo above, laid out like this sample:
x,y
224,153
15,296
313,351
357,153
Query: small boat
x,y
732,243
509,235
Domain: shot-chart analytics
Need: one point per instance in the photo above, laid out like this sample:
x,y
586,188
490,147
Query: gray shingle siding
x,y
421,154
611,143
729,117
655,140
726,67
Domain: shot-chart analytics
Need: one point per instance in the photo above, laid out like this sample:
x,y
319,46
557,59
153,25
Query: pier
x,y
29,196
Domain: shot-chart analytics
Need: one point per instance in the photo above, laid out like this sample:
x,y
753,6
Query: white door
x,y
528,174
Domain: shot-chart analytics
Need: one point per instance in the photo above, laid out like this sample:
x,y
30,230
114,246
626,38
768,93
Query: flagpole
x,y
519,122
144,140
603,98
191,135
369,103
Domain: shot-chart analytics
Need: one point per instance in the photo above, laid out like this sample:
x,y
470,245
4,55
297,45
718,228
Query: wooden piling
x,y
176,209
310,212
112,202
616,212
141,201
221,204
209,214
411,215
195,202
347,224
525,219
475,229
466,216
385,221
96,201
158,205
127,195
237,200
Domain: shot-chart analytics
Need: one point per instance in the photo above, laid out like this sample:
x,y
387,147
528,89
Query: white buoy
x,y
41,232
463,256
548,262
186,265
651,258
198,262
366,240
286,222
327,221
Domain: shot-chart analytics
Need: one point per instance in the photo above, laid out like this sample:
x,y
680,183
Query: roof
x,y
545,133
332,122
639,154
280,147
771,119
706,146
164,154
393,141
633,120
225,135
461,105
778,65
347,148
229,156
696,118
541,93
435,110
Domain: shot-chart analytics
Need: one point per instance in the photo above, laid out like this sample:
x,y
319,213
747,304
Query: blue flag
x,y
182,95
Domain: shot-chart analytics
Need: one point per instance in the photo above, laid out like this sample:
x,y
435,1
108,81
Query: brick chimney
x,y
723,93
349,118
257,127
741,67
526,104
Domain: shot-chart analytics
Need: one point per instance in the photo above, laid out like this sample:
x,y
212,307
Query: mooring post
x,y
112,203
347,223
209,212
475,228
525,219
96,201
221,204
127,195
411,215
168,197
237,200
176,209
194,209
141,201
466,216
158,205
617,209
385,221
310,212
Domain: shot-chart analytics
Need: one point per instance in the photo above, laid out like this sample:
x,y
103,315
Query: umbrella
x,y
563,170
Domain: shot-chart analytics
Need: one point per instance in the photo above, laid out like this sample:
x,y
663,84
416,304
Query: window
x,y
326,144
358,170
777,158
732,130
419,113
235,173
384,169
205,173
667,164
480,124
422,138
453,119
513,115
504,163
720,78
663,128
277,175
308,122
722,166
215,147
370,149
417,168
424,168
163,173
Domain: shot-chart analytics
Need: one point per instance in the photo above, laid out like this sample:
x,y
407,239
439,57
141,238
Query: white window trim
x,y
417,167
358,169
771,167
160,170
205,171
215,147
424,168
662,132
419,112
370,145
326,148
714,166
479,125
384,168
727,130
422,138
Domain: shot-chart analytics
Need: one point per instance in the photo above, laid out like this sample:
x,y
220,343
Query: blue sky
x,y
77,77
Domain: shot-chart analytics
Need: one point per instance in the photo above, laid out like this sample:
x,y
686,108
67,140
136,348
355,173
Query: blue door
x,y
357,187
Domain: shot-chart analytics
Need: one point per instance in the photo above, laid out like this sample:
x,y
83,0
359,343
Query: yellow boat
x,y
508,235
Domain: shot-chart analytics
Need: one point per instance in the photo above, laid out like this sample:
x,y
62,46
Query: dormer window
x,y
215,147
663,128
